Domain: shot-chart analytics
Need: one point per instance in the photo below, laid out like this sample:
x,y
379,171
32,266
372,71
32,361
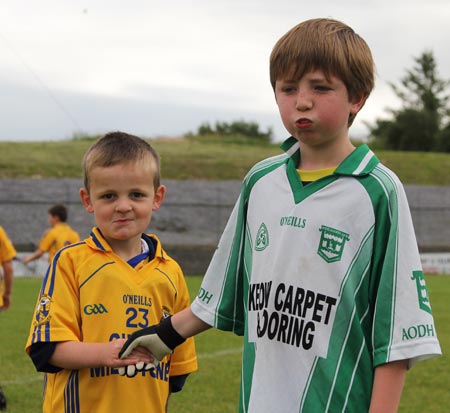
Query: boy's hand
x,y
132,369
148,338
159,339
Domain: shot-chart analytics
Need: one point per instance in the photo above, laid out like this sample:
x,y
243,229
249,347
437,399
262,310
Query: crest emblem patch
x,y
331,244
42,313
422,292
262,238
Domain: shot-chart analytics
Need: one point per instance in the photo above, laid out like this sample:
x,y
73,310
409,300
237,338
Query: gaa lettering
x,y
91,309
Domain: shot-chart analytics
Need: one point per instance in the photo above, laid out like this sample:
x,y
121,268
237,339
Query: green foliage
x,y
236,128
444,139
214,388
421,123
206,157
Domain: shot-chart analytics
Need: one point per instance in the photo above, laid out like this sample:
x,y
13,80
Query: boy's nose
x,y
123,205
303,102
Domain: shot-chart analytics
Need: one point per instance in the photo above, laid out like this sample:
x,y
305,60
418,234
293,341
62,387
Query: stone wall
x,y
191,218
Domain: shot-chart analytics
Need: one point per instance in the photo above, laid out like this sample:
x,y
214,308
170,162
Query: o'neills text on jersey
x,y
293,221
289,314
137,299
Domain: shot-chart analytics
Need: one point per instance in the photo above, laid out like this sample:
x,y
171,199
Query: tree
x,y
424,115
236,128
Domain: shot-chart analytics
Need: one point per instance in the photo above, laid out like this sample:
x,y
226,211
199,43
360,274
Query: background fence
x,y
191,218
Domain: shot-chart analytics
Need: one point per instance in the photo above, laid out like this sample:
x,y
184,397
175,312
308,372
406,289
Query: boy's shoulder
x,y
383,175
264,167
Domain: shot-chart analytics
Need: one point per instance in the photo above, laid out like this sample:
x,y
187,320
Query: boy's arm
x,y
74,355
36,254
8,275
187,324
388,386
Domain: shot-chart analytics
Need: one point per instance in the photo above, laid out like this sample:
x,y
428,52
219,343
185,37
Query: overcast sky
x,y
161,68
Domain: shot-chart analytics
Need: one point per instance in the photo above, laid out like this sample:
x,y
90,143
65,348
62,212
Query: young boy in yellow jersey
x,y
97,292
59,235
7,254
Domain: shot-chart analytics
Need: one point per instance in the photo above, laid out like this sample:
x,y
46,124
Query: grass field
x,y
210,158
215,387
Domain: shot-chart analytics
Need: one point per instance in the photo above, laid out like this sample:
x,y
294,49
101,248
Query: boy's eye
x,y
107,196
322,88
288,89
137,195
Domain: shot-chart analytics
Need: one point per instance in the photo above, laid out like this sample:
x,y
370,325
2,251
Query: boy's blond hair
x,y
116,148
327,45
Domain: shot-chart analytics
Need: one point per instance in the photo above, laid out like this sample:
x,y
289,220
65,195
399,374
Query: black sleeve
x,y
40,353
176,383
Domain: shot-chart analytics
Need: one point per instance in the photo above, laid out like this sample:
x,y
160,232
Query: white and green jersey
x,y
323,280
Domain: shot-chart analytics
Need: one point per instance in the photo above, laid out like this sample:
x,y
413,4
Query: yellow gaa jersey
x,y
90,294
7,253
7,250
61,235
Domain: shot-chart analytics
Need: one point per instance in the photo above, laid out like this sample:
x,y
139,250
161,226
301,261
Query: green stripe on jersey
x,y
388,265
235,270
341,353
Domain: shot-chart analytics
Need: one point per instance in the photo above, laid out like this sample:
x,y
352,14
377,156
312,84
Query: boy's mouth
x,y
303,123
122,221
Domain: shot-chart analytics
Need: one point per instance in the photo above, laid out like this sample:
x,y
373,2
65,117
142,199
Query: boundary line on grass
x,y
22,381
227,352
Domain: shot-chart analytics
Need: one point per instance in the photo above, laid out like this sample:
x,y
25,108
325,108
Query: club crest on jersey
x,y
262,238
42,314
332,242
166,312
422,292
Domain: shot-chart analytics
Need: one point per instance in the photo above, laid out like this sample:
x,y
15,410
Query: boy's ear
x,y
86,200
357,103
159,197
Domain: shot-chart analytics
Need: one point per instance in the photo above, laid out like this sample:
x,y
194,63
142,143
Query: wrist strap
x,y
168,334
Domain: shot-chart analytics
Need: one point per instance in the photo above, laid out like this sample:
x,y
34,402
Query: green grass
x,y
215,387
210,158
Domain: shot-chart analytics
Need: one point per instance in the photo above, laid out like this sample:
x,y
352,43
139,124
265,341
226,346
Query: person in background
x,y
7,254
59,235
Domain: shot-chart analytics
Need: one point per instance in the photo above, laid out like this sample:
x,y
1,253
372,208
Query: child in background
x,y
7,254
58,236
318,267
97,292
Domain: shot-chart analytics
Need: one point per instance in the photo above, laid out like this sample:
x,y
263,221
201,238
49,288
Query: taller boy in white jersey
x,y
318,267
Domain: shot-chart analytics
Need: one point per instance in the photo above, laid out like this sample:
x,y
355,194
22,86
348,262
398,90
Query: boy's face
x,y
122,198
52,220
315,110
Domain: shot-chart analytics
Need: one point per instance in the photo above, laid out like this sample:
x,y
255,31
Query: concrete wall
x,y
192,217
